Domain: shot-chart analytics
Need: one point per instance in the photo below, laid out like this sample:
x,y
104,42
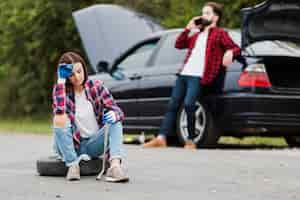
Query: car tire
x,y
293,141
52,166
206,131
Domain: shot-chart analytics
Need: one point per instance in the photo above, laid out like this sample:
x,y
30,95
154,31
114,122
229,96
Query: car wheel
x,y
293,141
52,166
206,133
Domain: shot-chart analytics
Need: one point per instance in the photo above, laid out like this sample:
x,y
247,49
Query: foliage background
x,y
34,33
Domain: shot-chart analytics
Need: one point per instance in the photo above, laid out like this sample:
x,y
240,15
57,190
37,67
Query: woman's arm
x,y
109,102
59,98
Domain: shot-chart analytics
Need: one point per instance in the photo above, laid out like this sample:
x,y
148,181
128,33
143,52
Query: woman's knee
x,y
118,127
60,121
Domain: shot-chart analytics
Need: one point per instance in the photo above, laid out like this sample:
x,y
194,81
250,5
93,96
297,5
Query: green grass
x,y
37,126
43,126
260,141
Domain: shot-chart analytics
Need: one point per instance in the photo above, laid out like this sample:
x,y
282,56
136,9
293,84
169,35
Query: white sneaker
x,y
116,174
73,173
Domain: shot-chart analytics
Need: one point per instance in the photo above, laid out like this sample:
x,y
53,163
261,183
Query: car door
x,y
127,74
157,81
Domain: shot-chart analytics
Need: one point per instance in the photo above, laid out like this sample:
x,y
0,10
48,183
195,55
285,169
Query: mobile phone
x,y
198,21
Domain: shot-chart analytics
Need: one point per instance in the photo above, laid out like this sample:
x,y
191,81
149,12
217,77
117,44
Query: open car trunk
x,y
283,72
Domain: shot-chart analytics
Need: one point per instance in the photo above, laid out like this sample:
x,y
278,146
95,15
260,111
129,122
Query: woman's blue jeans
x,y
93,146
186,90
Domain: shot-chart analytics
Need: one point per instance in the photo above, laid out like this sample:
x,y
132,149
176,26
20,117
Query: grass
x,y
28,125
43,126
257,141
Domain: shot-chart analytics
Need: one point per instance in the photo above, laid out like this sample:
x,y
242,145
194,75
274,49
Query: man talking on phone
x,y
210,50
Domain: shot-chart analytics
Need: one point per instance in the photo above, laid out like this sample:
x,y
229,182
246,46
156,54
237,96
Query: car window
x,y
274,48
139,57
235,36
168,54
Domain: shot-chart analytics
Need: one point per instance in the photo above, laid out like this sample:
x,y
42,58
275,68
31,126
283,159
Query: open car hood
x,y
271,20
108,30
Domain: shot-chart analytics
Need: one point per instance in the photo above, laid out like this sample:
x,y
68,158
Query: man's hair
x,y
217,8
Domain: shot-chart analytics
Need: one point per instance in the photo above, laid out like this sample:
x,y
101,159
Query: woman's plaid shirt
x,y
96,93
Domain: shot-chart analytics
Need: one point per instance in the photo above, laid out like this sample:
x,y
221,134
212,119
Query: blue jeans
x,y
187,90
93,146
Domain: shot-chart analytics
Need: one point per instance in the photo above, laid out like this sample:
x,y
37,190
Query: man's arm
x,y
228,44
183,39
233,50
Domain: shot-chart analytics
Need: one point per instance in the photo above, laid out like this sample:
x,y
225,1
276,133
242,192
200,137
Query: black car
x,y
259,94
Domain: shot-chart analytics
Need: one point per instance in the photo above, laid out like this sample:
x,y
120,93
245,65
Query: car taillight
x,y
255,76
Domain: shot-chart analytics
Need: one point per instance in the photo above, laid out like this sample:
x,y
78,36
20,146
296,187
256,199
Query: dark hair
x,y
71,57
217,8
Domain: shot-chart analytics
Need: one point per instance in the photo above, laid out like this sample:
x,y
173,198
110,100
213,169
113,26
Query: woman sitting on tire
x,y
81,107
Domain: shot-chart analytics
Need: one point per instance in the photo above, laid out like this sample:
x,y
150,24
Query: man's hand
x,y
227,58
191,23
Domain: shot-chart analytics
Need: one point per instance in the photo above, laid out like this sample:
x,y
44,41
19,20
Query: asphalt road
x,y
171,173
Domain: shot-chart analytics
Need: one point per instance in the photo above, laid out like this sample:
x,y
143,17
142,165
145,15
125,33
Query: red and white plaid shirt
x,y
218,42
96,93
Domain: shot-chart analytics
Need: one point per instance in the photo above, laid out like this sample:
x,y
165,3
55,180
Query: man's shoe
x,y
156,142
73,173
116,174
190,145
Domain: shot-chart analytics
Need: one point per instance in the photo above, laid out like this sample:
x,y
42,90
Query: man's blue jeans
x,y
186,90
93,146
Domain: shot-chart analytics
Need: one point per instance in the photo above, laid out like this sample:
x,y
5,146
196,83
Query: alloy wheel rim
x,y
200,123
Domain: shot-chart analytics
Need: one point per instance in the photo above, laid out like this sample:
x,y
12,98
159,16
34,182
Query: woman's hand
x,y
227,58
64,71
60,120
109,117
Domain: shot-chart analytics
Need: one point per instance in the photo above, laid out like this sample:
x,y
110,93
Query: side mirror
x,y
103,66
118,75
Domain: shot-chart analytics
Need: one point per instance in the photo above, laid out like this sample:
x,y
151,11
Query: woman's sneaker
x,y
116,174
73,173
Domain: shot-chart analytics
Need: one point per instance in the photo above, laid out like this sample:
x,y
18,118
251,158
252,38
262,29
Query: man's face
x,y
208,14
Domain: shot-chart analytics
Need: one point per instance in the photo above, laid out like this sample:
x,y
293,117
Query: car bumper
x,y
258,112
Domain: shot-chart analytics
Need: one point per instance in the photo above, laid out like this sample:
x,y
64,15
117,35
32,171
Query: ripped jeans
x,y
92,146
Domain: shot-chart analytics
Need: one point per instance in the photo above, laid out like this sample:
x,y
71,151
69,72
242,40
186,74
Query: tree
x,y
34,33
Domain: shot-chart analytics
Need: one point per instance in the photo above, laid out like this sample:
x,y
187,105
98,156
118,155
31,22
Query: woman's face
x,y
77,77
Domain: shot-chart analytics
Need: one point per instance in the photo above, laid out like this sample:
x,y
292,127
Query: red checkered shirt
x,y
96,93
218,42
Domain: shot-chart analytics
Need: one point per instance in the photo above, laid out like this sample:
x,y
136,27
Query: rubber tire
x,y
51,166
292,141
211,133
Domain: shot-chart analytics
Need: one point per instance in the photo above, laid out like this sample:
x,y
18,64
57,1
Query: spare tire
x,y
52,166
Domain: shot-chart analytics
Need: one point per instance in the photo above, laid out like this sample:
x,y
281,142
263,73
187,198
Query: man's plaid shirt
x,y
96,93
218,42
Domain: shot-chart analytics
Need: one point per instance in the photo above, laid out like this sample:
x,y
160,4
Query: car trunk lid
x,y
271,20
